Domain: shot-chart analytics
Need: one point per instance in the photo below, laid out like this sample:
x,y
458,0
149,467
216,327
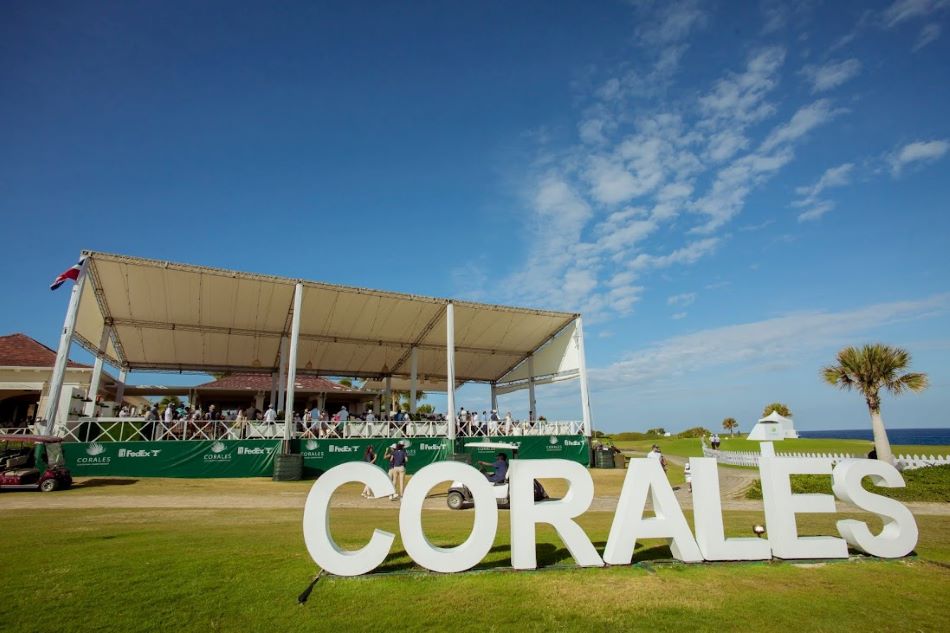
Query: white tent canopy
x,y
774,426
181,317
144,314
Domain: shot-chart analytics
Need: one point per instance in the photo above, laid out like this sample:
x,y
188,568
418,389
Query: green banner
x,y
205,458
255,458
573,447
320,455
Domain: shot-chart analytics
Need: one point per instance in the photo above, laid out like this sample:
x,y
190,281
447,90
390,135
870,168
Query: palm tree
x,y
730,425
870,369
779,408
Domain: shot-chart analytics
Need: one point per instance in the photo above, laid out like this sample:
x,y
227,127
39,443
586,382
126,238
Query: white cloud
x,y
689,254
802,122
930,33
832,74
776,15
676,316
814,207
785,337
672,23
833,177
739,99
903,10
917,152
684,299
818,209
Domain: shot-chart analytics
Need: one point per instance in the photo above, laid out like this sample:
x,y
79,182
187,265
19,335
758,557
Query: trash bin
x,y
604,458
619,460
288,467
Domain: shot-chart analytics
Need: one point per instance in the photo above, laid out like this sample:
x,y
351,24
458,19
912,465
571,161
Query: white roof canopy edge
x,y
127,288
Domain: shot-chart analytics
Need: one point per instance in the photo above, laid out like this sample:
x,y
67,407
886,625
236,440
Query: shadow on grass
x,y
99,483
548,555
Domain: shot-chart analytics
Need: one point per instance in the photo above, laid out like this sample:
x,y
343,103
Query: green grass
x,y
923,484
242,570
690,447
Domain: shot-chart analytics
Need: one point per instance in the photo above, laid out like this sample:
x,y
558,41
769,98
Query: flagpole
x,y
62,353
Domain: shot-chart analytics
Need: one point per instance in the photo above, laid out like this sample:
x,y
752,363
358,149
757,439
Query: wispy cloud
x,y
809,195
903,10
647,163
929,33
832,74
919,152
683,299
785,337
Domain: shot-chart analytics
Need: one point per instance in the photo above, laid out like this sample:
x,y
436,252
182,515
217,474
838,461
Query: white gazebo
x,y
774,427
150,315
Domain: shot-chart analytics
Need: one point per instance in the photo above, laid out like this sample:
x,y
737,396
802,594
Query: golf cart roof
x,y
499,445
35,439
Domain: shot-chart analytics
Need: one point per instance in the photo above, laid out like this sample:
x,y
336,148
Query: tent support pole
x,y
292,367
494,397
582,374
273,390
450,368
120,387
532,403
62,352
89,410
282,375
413,370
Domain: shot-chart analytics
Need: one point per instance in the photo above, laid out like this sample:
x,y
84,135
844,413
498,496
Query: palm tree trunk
x,y
881,444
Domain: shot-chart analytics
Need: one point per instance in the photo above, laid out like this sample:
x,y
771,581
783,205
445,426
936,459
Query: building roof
x,y
262,382
180,317
20,350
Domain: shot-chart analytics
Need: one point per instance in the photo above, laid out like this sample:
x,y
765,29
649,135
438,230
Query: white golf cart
x,y
460,496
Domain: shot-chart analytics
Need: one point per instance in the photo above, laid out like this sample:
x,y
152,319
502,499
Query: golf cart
x,y
460,496
31,462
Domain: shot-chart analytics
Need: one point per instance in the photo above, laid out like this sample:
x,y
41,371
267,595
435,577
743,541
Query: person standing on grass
x,y
657,455
369,456
398,469
688,475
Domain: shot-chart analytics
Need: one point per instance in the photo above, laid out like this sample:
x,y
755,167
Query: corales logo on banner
x,y
645,479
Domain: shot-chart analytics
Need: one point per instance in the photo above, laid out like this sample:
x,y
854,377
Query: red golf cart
x,y
31,462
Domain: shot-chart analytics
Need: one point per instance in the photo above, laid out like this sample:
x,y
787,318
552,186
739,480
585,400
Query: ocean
x,y
929,437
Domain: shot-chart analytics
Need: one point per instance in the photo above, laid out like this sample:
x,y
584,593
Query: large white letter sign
x,y
899,536
646,476
525,513
707,518
781,506
479,542
316,521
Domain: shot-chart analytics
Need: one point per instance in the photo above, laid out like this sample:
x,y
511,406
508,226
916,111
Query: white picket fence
x,y
751,458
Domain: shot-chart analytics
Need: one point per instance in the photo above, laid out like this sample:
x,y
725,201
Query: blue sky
x,y
728,192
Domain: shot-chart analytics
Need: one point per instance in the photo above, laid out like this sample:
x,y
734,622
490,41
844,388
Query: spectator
x,y
657,455
369,416
344,414
688,475
398,469
369,456
270,416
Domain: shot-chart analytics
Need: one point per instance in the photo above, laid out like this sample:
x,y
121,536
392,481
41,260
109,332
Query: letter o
x,y
479,542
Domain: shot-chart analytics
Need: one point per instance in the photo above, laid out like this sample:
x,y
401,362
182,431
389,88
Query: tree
x,y
869,369
657,431
174,400
730,425
778,407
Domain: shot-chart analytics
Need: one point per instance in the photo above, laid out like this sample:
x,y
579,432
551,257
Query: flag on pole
x,y
71,273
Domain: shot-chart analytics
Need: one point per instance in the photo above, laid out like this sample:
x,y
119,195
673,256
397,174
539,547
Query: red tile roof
x,y
262,382
20,350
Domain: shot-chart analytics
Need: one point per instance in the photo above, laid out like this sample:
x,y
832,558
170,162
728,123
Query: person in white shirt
x,y
370,417
344,414
124,412
688,475
508,422
656,454
169,413
474,423
270,415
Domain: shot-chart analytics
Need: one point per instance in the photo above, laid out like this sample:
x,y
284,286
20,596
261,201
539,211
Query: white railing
x,y
751,458
19,430
140,429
